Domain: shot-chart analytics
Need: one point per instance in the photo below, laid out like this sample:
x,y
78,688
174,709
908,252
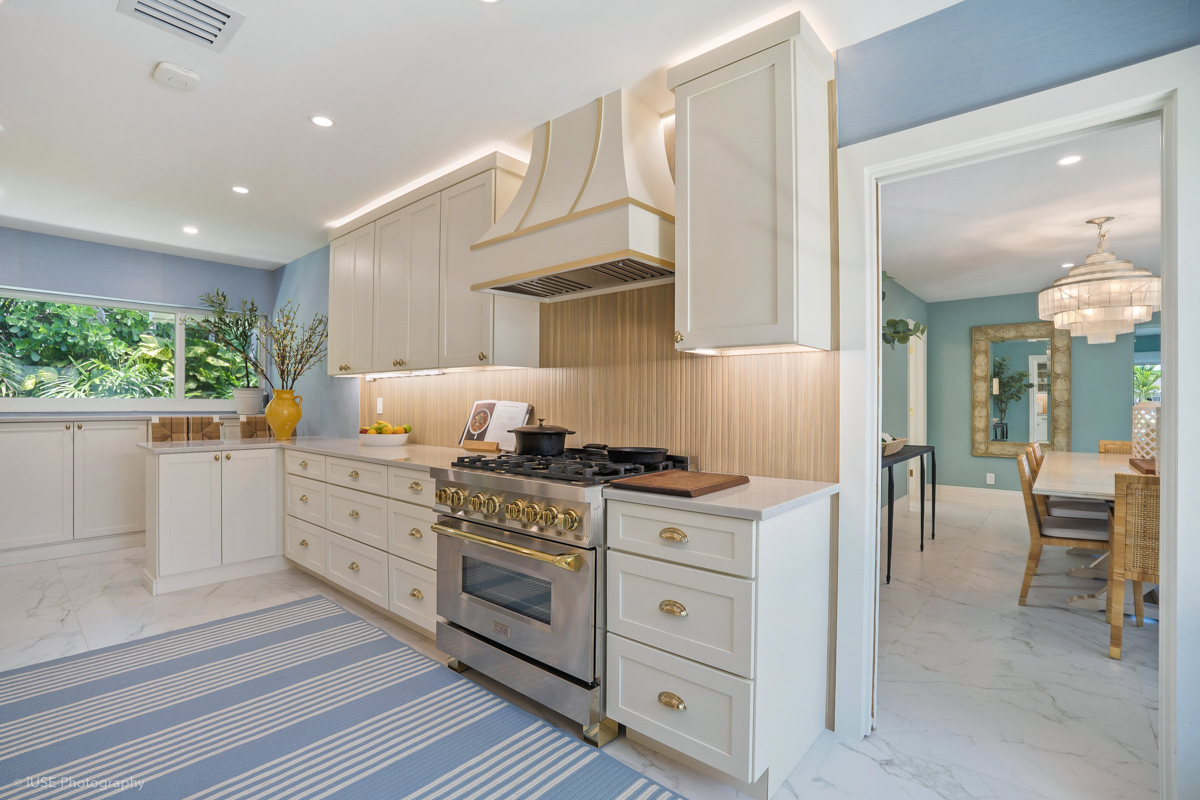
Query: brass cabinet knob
x,y
216,456
304,542
531,512
68,426
303,498
491,505
304,465
672,607
678,337
353,473
549,517
79,426
228,456
673,535
354,566
417,594
482,356
416,487
397,362
354,513
671,701
416,533
569,520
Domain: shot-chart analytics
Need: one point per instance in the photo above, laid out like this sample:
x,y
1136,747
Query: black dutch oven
x,y
631,455
541,439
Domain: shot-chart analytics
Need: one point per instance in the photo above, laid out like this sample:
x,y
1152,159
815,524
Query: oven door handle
x,y
572,561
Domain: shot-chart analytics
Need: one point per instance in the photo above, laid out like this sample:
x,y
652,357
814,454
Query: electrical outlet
x,y
991,478
378,405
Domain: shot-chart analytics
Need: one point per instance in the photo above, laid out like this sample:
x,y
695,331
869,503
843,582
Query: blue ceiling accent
x,y
980,52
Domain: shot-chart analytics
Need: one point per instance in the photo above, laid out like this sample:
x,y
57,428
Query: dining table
x,y
1084,476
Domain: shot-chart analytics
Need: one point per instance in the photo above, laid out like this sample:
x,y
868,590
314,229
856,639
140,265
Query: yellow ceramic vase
x,y
283,413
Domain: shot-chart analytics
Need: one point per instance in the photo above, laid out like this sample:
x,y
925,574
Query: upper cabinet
x,y
408,305
753,149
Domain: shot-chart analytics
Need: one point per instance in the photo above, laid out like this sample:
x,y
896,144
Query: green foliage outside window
x,y
1145,383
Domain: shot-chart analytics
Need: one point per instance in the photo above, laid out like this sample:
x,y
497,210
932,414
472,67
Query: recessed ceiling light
x,y
321,121
485,2
1065,266
241,190
1067,161
190,229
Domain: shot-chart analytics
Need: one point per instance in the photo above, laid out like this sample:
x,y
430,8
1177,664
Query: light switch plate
x,y
378,405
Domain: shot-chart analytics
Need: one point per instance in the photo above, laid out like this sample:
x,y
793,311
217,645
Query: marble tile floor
x,y
978,697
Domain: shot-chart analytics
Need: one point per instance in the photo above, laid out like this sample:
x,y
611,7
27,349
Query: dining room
x,y
1019,408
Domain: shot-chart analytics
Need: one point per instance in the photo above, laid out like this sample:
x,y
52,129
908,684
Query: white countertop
x,y
415,456
761,498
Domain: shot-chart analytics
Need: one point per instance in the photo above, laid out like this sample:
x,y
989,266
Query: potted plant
x,y
293,351
1010,387
236,331
898,330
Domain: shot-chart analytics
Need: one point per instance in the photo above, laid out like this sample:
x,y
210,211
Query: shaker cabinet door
x,y
466,316
249,505
189,512
36,479
351,301
407,270
110,477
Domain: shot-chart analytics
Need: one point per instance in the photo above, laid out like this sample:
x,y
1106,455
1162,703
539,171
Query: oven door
x,y
528,594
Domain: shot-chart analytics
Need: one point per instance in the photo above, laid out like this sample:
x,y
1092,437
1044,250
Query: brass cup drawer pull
x,y
671,701
353,473
354,513
304,542
415,533
416,487
417,594
673,607
304,464
303,498
354,566
673,535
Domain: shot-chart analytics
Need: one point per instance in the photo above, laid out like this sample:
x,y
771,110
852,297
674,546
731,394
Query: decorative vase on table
x,y
247,401
283,413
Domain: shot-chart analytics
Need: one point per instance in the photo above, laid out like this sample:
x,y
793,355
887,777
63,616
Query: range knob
x,y
491,504
531,512
513,510
549,517
476,502
457,497
442,495
569,520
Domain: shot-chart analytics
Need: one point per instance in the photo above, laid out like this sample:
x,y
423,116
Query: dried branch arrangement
x,y
293,349
235,330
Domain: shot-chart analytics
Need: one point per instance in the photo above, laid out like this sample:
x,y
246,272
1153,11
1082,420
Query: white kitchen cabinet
x,y
249,521
189,527
110,490
351,302
407,263
36,483
466,317
752,231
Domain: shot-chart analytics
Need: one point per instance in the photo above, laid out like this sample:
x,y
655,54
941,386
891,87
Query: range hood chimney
x,y
595,213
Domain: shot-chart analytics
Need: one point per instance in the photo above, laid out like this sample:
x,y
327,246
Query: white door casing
x,y
917,412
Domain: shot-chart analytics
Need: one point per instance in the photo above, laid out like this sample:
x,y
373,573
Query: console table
x,y
910,451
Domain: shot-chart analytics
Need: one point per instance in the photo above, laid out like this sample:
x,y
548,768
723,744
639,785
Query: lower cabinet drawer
x,y
304,543
722,544
361,475
413,592
409,534
411,485
358,515
305,499
307,464
357,568
699,711
690,612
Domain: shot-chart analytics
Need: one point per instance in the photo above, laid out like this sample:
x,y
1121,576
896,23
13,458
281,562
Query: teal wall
x,y
900,303
1101,388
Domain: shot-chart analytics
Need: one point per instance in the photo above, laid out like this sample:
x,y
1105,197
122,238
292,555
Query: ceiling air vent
x,y
210,25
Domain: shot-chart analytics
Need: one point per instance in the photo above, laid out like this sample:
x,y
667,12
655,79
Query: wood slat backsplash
x,y
613,375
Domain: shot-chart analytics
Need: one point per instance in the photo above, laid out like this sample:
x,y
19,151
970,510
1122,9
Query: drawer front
x,y
409,534
309,465
413,592
708,541
695,614
357,568
304,543
305,499
359,475
359,515
411,485
715,725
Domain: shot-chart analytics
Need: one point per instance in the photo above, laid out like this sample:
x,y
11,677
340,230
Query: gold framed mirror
x,y
1048,390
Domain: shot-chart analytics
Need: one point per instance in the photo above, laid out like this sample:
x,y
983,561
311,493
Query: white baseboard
x,y
985,498
79,547
203,577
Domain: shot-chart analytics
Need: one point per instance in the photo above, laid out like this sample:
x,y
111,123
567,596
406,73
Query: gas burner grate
x,y
574,466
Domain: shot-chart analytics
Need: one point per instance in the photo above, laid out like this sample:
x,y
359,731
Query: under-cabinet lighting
x,y
374,376
755,351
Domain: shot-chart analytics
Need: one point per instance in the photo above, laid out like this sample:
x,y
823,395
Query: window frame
x,y
178,403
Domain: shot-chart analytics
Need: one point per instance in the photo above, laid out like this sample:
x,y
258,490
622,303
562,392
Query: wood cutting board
x,y
1146,466
681,483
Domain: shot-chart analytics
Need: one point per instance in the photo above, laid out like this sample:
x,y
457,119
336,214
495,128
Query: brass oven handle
x,y
673,534
672,701
417,594
673,607
416,533
354,566
571,562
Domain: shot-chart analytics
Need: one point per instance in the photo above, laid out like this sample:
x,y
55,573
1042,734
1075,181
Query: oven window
x,y
507,588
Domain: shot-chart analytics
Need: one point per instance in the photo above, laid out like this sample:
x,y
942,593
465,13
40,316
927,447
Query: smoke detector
x,y
208,24
176,77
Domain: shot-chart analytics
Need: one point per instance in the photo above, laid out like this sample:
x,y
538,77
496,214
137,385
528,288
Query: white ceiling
x,y
1008,225
94,148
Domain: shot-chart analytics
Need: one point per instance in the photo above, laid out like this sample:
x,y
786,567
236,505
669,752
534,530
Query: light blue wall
x,y
39,262
899,303
980,52
330,404
1101,388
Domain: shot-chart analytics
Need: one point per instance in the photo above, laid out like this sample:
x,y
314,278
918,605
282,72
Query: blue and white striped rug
x,y
304,700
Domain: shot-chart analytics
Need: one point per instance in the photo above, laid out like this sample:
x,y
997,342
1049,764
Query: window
x,y
62,353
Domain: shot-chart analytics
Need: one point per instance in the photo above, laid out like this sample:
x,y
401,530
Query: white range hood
x,y
595,213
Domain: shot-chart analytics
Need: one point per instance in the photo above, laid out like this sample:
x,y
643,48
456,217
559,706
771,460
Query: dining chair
x,y
1038,455
1052,506
1113,447
1134,555
1089,534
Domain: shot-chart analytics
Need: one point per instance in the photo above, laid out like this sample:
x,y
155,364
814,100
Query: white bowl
x,y
382,439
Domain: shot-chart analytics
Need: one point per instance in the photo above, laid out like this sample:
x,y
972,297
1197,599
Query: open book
x,y
491,421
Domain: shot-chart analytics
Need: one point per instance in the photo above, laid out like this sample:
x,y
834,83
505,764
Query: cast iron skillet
x,y
631,455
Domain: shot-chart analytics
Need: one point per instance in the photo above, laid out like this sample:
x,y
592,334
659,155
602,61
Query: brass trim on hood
x,y
595,150
541,175
624,201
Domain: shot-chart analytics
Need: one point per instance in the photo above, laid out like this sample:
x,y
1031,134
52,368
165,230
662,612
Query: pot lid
x,y
541,427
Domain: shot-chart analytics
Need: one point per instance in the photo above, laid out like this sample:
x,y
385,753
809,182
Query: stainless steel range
x,y
521,574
